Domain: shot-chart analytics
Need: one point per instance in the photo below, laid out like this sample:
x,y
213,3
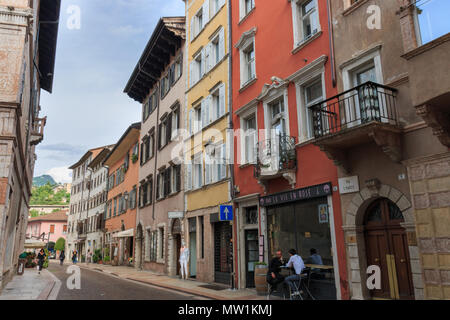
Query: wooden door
x,y
387,247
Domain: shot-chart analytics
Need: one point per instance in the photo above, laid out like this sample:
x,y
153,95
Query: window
x,y
215,163
178,70
245,7
215,50
312,95
432,19
278,121
246,46
198,125
65,228
175,180
175,121
115,206
161,242
145,110
132,198
52,228
144,194
250,139
165,85
188,176
197,68
305,20
153,237
249,55
198,171
251,215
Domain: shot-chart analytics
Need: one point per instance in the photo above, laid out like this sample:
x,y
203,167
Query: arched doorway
x,y
139,246
387,247
176,238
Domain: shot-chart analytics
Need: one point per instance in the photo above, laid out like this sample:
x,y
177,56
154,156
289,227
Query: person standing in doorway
x,y
62,256
74,256
184,258
41,259
89,256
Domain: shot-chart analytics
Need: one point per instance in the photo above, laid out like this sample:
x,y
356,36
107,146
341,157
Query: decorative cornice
x,y
360,54
430,45
276,84
245,36
318,63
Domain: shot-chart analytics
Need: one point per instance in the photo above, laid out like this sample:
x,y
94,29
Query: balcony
x,y
364,114
276,157
37,131
430,95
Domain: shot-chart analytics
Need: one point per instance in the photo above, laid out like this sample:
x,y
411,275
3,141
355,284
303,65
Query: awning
x,y
124,234
34,244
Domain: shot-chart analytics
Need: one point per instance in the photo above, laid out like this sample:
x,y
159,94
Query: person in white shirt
x,y
184,258
296,262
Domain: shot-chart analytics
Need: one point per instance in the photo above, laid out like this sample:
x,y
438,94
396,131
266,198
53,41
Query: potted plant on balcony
x,y
261,278
134,158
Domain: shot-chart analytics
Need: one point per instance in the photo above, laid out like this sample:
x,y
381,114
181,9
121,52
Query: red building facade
x,y
286,189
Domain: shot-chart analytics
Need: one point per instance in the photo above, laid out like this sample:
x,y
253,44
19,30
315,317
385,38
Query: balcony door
x,y
368,104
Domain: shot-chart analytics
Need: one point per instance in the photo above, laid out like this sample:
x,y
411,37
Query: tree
x,y
60,244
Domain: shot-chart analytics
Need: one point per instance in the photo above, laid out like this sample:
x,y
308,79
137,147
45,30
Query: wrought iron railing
x,y
275,155
363,104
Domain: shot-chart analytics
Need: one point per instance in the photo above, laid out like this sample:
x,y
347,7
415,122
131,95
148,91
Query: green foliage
x,y
45,195
34,213
97,255
45,265
107,259
60,244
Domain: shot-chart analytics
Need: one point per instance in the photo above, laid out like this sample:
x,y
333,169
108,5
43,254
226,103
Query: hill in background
x,y
43,180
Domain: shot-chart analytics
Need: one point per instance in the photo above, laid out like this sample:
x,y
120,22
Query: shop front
x,y
302,219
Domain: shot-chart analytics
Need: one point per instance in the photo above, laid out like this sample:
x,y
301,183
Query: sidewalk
x,y
29,286
174,283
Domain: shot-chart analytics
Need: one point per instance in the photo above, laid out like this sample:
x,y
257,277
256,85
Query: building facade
x,y
122,185
45,209
51,226
97,201
79,204
286,188
27,57
207,149
161,196
392,165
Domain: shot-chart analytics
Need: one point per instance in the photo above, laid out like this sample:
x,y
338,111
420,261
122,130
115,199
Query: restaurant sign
x,y
321,190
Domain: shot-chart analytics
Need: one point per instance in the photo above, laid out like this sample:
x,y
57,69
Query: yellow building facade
x,y
207,174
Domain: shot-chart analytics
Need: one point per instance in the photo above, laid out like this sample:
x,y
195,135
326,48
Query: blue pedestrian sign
x,y
225,213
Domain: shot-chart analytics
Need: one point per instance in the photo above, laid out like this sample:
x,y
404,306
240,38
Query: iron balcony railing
x,y
275,155
363,104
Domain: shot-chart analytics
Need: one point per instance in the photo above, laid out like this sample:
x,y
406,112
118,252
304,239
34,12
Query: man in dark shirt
x,y
273,275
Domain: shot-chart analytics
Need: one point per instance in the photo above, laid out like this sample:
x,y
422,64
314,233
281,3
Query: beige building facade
x,y
26,67
393,161
159,84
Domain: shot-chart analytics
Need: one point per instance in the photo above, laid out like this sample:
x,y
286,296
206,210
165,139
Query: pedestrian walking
x,y
62,256
74,256
89,256
41,259
184,258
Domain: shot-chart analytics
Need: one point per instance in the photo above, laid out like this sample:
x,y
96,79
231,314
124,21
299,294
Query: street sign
x,y
225,213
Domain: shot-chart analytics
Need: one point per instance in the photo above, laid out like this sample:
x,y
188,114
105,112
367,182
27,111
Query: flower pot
x,y
261,279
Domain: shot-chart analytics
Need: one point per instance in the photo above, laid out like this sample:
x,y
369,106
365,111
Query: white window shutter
x,y
203,62
221,44
210,109
207,169
192,28
223,167
207,58
205,12
188,176
203,113
191,73
222,100
191,121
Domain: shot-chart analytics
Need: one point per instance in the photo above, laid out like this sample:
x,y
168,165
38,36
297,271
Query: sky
x,y
88,108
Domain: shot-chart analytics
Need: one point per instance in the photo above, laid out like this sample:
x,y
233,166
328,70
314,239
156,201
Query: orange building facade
x,y
120,217
285,188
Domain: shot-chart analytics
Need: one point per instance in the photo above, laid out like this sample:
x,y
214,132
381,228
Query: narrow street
x,y
98,286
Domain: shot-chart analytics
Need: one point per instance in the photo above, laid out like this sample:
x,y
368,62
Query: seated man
x,y
315,258
296,262
274,278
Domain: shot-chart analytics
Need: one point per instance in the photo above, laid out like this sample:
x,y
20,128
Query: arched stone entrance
x,y
387,247
174,245
139,247
356,242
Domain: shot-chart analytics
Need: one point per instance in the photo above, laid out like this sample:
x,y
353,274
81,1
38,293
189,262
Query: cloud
x,y
126,31
60,174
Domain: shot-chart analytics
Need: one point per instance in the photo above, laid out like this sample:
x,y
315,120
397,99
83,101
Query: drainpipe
x,y
231,143
331,42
